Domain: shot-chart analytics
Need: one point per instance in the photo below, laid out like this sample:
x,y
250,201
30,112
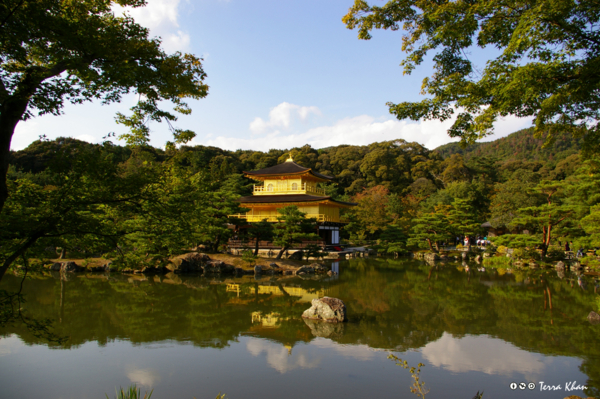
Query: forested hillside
x,y
520,145
153,202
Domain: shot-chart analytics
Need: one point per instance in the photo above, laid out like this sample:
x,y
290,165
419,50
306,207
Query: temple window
x,y
270,187
294,186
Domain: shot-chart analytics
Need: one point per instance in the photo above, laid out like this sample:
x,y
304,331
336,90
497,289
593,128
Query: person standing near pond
x,y
567,247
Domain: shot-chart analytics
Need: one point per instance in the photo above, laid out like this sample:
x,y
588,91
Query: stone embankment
x,y
198,263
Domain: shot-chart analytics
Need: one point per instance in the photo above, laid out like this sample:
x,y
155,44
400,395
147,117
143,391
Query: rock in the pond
x,y
305,270
430,257
325,330
288,272
257,269
296,255
478,258
218,267
274,265
464,255
70,267
318,268
594,317
55,267
576,266
151,270
327,309
192,262
560,265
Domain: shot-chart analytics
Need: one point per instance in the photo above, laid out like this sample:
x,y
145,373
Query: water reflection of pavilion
x,y
303,294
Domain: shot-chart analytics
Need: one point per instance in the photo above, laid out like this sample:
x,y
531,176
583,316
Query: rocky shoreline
x,y
198,263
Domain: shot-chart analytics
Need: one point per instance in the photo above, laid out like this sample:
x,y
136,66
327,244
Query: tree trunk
x,y
216,244
17,253
7,129
63,253
256,247
281,251
430,245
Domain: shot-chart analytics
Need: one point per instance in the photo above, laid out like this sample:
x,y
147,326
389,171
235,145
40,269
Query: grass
x,y
133,392
497,261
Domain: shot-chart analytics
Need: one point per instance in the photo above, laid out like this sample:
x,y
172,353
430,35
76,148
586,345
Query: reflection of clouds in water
x,y
278,356
358,352
10,344
143,377
482,353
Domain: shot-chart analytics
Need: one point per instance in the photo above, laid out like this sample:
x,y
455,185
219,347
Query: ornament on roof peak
x,y
290,159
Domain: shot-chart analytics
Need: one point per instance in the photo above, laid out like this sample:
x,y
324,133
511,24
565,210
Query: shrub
x,y
497,261
249,257
555,254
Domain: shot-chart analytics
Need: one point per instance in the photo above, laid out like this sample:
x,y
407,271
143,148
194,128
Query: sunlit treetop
x,y
547,68
54,51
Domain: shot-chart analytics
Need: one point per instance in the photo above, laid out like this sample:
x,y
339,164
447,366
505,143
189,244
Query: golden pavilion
x,y
291,184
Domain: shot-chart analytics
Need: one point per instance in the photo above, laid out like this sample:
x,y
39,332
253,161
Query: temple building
x,y
291,184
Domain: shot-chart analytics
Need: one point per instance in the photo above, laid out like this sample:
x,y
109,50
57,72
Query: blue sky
x,y
281,74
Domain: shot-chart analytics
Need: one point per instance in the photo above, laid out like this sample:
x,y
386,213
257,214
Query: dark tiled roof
x,y
289,198
287,168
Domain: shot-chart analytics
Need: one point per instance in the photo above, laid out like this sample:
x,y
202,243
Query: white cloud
x,y
278,356
10,344
359,130
87,137
143,377
161,17
482,353
356,352
282,116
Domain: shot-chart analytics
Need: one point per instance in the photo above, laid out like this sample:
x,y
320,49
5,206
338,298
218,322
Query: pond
x,y
193,337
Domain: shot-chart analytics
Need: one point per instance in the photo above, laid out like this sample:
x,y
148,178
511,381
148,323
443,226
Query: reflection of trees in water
x,y
392,304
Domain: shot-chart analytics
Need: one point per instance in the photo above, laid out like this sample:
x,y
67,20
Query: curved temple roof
x,y
286,168
257,199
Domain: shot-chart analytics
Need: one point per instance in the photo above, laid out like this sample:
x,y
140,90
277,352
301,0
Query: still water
x,y
191,336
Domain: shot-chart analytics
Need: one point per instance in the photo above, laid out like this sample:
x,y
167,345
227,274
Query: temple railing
x,y
272,218
269,244
287,188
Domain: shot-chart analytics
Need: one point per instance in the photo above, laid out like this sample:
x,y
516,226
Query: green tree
x,y
392,240
292,227
431,228
371,214
548,218
591,225
463,219
54,52
82,199
546,67
513,194
262,230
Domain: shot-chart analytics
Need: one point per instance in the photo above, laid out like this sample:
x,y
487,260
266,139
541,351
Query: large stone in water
x,y
218,267
327,309
70,267
305,270
431,257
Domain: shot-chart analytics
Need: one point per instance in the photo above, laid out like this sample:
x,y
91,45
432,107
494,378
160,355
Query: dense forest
x,y
140,204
